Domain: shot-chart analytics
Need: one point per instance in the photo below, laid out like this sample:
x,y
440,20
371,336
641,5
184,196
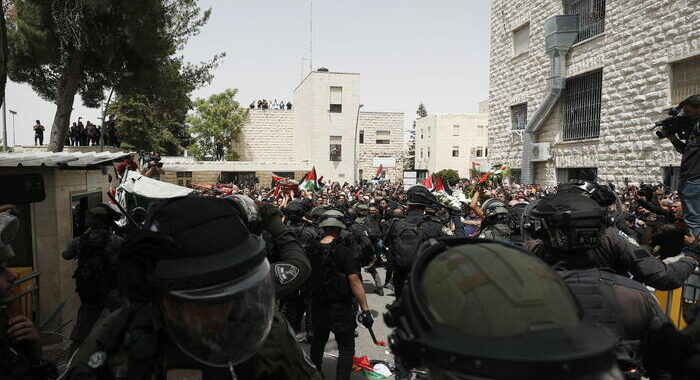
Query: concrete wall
x,y
370,123
641,41
315,123
267,136
438,137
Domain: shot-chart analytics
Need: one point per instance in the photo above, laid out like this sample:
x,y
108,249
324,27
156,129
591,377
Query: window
x,y
591,17
480,129
428,132
421,133
362,137
455,151
486,152
521,40
382,137
79,206
428,152
518,116
421,152
584,174
336,99
582,106
184,178
685,79
336,148
455,130
479,152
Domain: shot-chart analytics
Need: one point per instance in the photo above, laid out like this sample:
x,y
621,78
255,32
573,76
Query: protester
x,y
39,133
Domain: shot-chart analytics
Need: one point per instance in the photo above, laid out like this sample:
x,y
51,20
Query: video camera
x,y
151,159
672,125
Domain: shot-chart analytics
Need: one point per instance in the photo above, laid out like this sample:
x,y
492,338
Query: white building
x,y
326,128
451,141
581,93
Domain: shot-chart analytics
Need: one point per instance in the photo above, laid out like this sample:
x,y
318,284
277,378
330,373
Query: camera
x,y
151,159
674,124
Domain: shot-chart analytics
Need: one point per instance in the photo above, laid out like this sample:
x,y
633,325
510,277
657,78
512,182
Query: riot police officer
x,y
619,252
365,238
481,309
404,236
570,227
335,287
495,223
294,214
201,294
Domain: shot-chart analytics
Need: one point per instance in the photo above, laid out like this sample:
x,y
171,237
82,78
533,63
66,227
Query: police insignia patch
x,y
97,359
286,273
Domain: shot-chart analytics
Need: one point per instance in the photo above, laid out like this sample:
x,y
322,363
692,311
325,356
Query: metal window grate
x,y
591,17
685,79
582,107
519,116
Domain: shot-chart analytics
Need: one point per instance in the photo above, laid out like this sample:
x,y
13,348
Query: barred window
x,y
455,130
455,151
685,79
184,174
591,17
582,106
336,105
519,116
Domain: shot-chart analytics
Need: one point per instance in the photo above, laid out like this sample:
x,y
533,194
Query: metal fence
x,y
582,101
26,300
591,16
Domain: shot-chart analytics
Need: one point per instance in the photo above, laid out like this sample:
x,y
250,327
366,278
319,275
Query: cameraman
x,y
689,187
153,168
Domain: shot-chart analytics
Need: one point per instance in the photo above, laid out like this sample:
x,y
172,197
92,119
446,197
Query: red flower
x,y
484,178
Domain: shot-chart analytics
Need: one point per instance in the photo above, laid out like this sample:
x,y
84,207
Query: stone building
x,y
582,92
326,128
451,141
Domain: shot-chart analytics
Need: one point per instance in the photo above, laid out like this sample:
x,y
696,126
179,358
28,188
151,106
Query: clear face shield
x,y
222,325
612,373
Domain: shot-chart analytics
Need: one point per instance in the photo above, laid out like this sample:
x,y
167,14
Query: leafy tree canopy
x,y
421,111
449,176
216,118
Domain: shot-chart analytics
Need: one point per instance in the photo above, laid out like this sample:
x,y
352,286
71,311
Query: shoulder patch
x,y
628,238
97,359
286,273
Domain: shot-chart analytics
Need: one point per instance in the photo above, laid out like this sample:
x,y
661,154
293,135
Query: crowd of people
x,y
89,134
263,104
512,282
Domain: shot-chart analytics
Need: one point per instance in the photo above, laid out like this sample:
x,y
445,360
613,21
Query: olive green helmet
x,y
478,309
332,222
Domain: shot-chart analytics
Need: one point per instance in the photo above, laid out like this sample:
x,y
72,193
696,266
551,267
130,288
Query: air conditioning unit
x,y
540,152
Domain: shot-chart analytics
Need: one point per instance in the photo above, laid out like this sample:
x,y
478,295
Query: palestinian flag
x,y
310,181
378,175
429,183
275,179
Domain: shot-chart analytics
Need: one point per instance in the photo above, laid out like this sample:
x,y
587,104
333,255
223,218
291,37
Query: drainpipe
x,y
560,33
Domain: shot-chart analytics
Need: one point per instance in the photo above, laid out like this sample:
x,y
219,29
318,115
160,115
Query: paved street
x,y
363,343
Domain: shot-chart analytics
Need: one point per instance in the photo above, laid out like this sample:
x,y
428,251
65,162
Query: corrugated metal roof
x,y
59,159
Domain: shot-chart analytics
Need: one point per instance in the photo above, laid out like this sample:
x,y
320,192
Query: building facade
x,y
452,141
584,108
327,129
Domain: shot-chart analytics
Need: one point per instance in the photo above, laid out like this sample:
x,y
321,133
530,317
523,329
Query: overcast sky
x,y
406,51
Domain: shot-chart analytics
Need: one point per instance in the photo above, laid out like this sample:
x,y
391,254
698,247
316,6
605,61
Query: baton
x,y
119,206
374,338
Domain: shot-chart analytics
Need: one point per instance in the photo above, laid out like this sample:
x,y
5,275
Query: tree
x,y
217,118
62,48
449,176
410,159
421,112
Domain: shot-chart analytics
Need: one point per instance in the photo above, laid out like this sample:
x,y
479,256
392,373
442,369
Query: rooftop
x,y
59,159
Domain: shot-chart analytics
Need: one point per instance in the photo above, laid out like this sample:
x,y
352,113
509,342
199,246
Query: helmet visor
x,y
611,374
224,324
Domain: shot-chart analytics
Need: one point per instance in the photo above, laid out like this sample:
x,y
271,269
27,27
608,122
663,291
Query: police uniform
x,y
127,345
332,302
21,361
498,231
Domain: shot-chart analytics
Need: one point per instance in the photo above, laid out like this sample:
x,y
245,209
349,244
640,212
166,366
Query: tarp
x,y
137,184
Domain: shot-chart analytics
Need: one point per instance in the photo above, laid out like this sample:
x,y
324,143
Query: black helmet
x,y
420,195
566,222
479,309
603,195
295,210
206,274
495,210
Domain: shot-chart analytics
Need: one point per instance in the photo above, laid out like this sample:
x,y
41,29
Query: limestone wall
x,y
267,136
370,123
641,41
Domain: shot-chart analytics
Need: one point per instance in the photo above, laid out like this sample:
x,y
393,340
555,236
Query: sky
x,y
407,52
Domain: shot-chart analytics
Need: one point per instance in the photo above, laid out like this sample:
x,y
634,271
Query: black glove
x,y
270,217
365,318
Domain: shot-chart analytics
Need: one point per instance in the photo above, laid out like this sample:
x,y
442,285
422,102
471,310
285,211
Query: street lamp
x,y
357,123
14,141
